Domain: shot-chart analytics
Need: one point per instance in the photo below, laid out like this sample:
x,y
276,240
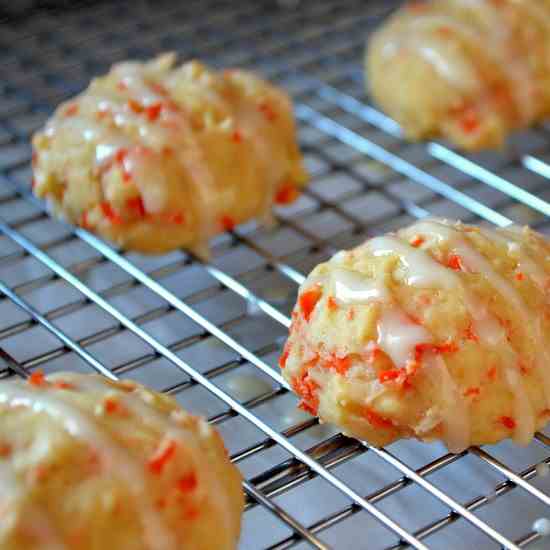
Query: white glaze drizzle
x,y
351,288
455,413
76,423
398,336
423,270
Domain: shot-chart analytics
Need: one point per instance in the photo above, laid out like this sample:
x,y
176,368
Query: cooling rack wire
x,y
210,334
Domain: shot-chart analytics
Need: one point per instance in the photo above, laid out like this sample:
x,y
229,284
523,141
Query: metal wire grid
x,y
210,333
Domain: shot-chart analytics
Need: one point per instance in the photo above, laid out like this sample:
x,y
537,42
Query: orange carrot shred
x,y
417,240
307,388
187,483
136,203
135,106
162,456
109,213
473,391
308,300
492,373
176,218
470,334
268,111
62,385
236,136
71,109
454,262
375,419
228,223
507,422
284,357
5,449
332,304
340,364
387,375
420,349
153,111
111,405
37,378
469,121
520,276
445,31
287,194
120,155
191,513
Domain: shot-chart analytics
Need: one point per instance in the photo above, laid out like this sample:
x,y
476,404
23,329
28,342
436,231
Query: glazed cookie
x,y
440,331
471,72
155,157
88,464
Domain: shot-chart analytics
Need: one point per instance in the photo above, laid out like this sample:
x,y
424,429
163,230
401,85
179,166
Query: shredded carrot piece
x,y
287,194
158,88
470,334
135,106
455,262
469,122
62,385
308,300
37,378
307,388
136,203
387,375
191,513
111,405
492,373
284,357
472,391
524,369
187,483
161,503
445,32
236,136
5,449
121,154
227,222
152,112
351,314
176,218
375,419
162,456
417,240
520,276
420,349
268,111
332,304
507,422
340,364
71,109
84,221
109,213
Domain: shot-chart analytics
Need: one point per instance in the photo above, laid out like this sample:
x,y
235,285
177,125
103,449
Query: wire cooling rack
x,y
210,334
